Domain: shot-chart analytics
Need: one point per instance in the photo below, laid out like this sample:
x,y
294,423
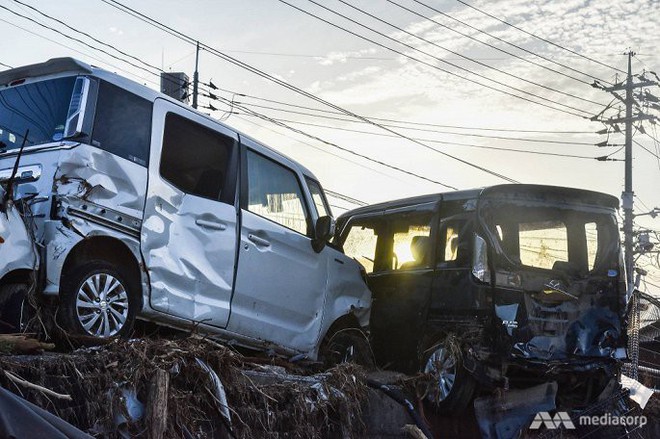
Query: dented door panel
x,y
91,174
188,241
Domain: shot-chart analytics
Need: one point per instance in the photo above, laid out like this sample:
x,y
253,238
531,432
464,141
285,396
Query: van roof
x,y
498,191
75,67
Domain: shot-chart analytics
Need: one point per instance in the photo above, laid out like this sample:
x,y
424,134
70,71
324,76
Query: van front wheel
x,y
99,301
451,387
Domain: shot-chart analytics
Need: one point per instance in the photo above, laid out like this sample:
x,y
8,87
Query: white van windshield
x,y
40,107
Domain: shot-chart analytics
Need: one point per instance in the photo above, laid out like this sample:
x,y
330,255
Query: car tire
x,y
14,307
98,300
347,345
451,388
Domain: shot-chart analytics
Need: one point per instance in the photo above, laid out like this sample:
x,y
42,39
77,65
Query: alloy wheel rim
x,y
442,366
102,305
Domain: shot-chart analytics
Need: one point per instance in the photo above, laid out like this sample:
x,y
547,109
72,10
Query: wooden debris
x,y
413,431
41,389
22,344
157,404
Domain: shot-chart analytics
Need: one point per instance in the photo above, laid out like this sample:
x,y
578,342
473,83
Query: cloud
x,y
333,58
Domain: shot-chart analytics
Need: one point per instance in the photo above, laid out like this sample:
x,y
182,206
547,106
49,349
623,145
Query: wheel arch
x,y
20,276
109,249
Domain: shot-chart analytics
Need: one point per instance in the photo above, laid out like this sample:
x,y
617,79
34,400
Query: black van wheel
x,y
452,387
98,300
347,345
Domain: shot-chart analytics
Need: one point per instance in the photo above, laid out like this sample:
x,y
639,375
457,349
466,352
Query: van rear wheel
x,y
99,301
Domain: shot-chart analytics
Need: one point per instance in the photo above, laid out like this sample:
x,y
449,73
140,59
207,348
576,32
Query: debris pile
x,y
192,387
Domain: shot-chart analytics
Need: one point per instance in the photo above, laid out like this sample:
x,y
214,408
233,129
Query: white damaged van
x,y
140,207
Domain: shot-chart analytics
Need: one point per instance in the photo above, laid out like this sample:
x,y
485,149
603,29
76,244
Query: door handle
x,y
258,241
214,225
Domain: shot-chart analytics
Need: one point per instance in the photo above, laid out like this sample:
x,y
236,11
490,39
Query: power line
x,y
538,37
110,46
334,145
320,149
297,90
433,66
556,142
404,122
6,65
427,41
345,198
444,14
75,50
156,68
470,145
334,193
72,38
646,149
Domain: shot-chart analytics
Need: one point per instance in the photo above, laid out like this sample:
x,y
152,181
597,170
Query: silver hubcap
x,y
102,305
442,366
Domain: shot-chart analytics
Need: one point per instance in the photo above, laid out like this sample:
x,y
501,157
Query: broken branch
x,y
41,389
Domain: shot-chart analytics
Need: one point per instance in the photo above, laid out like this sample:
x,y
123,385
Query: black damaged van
x,y
511,285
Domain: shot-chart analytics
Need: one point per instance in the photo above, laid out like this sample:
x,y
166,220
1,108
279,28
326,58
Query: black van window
x,y
195,159
122,124
454,243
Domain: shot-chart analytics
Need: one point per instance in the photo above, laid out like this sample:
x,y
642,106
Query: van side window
x,y
274,193
411,241
122,124
195,158
454,245
360,244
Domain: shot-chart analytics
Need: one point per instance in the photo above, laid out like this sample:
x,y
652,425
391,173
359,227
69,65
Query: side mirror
x,y
324,229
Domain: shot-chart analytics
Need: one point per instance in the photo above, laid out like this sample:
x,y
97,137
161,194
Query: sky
x,y
426,79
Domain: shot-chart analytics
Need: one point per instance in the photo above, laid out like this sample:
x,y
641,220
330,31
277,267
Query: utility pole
x,y
196,78
627,198
628,194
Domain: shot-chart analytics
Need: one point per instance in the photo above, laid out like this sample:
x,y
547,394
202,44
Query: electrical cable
x,y
89,36
556,142
403,122
427,41
433,66
508,43
539,38
501,40
297,90
334,145
83,42
646,149
469,145
321,149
